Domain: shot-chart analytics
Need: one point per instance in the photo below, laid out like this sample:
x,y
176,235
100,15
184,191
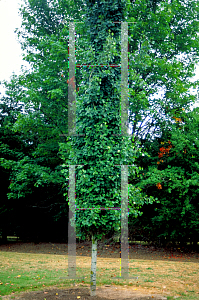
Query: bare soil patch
x,y
83,293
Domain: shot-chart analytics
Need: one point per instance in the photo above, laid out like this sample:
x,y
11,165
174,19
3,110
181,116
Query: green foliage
x,y
98,182
12,147
35,112
160,63
174,180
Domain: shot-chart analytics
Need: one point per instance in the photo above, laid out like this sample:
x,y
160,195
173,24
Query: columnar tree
x,y
98,181
98,119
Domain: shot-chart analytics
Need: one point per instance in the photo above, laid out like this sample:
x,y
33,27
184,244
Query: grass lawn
x,y
29,267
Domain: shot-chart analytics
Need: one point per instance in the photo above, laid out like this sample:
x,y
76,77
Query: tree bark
x,y
93,266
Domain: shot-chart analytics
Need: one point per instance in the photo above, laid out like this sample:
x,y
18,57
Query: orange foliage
x,y
159,186
164,150
178,119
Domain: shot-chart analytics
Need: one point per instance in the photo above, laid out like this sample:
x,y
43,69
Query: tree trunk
x,y
93,266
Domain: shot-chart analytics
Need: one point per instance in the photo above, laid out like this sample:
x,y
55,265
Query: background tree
x,y
163,48
36,174
43,89
161,67
171,175
12,146
25,169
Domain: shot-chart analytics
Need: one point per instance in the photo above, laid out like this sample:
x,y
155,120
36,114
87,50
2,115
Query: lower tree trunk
x,y
93,266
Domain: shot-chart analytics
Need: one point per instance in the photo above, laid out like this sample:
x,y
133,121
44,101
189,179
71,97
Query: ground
x,y
105,251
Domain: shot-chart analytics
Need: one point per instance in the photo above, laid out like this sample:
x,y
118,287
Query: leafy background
x,y
163,50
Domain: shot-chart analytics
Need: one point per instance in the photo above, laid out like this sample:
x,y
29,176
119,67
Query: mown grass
x,y
29,271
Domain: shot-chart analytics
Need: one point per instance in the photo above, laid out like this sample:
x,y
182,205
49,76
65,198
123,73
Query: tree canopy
x,y
163,51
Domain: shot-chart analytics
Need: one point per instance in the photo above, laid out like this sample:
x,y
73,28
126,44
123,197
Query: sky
x,y
10,50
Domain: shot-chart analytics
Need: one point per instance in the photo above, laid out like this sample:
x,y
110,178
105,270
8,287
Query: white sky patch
x,y
10,50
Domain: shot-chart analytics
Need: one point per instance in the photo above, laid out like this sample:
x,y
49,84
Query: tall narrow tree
x,y
98,181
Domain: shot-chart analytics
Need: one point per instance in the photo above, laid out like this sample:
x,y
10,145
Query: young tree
x,y
98,181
